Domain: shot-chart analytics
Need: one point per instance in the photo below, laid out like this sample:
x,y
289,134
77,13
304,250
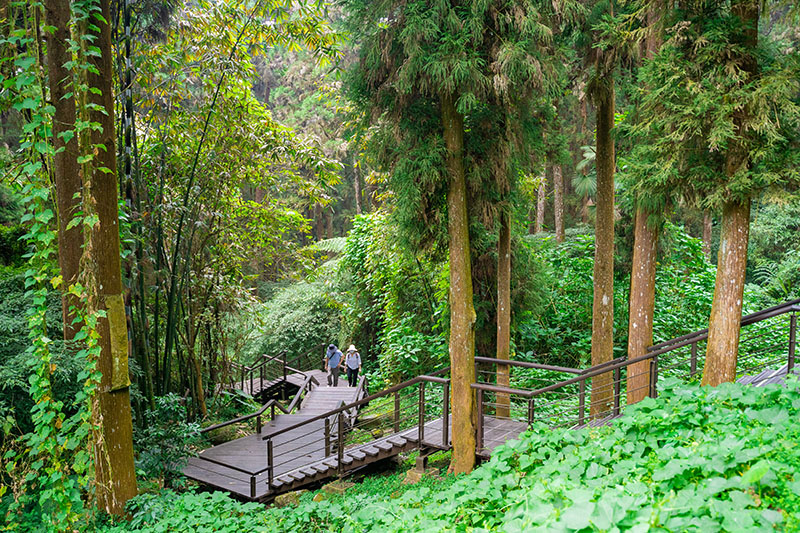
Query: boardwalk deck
x,y
308,462
292,450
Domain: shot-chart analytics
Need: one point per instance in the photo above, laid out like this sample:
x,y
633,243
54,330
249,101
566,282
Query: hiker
x,y
333,358
353,363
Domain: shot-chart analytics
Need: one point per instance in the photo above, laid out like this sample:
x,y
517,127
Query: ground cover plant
x,y
697,459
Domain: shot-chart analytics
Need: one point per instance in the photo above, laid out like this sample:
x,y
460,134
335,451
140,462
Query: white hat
x,y
352,348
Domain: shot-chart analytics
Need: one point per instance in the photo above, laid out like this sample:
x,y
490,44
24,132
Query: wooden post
x,y
252,486
396,412
327,437
479,438
582,403
792,343
340,445
693,364
617,385
446,415
270,464
421,411
653,378
531,411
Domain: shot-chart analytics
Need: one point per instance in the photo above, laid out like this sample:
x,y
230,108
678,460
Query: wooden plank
x,y
383,446
358,455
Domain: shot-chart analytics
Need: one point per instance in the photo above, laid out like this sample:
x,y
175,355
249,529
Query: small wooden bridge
x,y
327,432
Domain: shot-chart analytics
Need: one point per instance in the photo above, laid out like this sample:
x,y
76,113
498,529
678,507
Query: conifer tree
x,y
436,76
721,111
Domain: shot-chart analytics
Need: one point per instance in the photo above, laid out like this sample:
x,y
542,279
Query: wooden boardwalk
x,y
228,466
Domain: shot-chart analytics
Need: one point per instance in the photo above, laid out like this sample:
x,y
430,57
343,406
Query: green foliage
x,y
163,442
170,512
694,139
391,304
296,319
696,459
12,246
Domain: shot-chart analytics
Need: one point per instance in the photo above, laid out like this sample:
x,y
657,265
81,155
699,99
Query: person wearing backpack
x,y
333,360
353,364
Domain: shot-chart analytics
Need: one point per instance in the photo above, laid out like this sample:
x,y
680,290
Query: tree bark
x,y
603,299
642,304
357,188
66,171
641,307
114,467
726,308
541,201
462,311
503,313
707,227
558,202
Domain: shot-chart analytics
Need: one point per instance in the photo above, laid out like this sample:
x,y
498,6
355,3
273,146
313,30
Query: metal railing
x,y
404,409
768,338
272,405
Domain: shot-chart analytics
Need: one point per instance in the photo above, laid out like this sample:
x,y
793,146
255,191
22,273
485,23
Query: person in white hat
x,y
353,363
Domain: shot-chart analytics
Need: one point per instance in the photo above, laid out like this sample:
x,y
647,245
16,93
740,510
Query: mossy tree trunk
x,y
603,298
503,312
66,172
462,311
642,299
726,309
642,304
114,467
558,201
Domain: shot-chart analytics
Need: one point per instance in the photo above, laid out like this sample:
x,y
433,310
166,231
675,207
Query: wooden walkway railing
x,y
768,340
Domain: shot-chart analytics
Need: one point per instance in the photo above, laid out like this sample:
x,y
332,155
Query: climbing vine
x,y
54,461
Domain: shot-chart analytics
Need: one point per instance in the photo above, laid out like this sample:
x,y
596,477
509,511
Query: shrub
x,y
164,440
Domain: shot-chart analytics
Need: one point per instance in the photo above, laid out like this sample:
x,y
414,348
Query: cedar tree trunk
x,y
558,202
357,188
541,200
726,308
67,175
642,304
707,227
503,312
462,311
603,299
642,298
114,468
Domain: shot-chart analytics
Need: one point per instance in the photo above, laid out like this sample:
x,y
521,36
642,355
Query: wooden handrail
x,y
306,383
358,403
243,418
526,364
700,335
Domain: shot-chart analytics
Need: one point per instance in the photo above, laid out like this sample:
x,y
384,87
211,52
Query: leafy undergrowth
x,y
696,459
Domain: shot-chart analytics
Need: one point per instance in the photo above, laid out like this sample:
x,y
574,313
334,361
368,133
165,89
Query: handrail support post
x,y
446,415
421,412
792,343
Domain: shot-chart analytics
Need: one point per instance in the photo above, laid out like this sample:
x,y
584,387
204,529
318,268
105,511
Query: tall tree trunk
x,y
726,308
65,165
357,187
329,223
603,299
558,201
462,311
503,312
541,201
642,304
707,227
642,299
114,468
